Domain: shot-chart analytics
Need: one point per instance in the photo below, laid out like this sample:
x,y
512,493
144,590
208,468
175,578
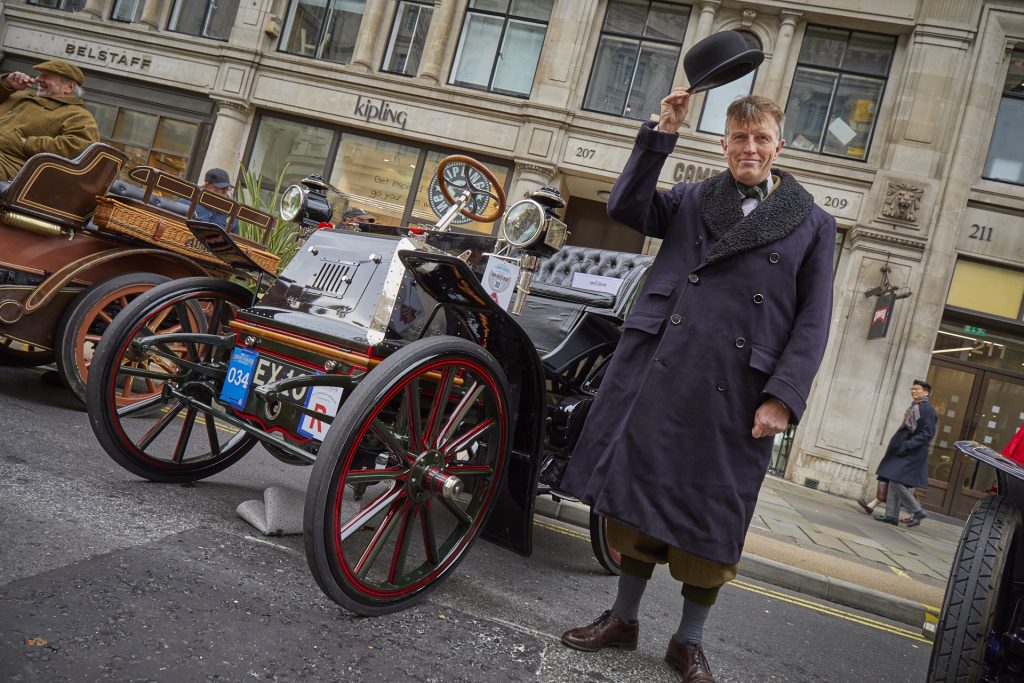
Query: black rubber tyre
x,y
85,320
381,535
977,590
606,555
137,436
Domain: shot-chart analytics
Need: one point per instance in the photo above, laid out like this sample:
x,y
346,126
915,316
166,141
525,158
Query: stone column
x,y
437,40
227,141
780,54
154,14
527,178
369,36
100,9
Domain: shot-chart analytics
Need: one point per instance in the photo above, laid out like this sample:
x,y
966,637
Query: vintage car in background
x,y
76,246
385,358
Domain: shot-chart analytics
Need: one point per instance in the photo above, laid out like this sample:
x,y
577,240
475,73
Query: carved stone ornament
x,y
902,202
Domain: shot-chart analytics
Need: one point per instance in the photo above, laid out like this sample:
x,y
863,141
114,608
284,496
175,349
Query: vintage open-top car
x,y
385,358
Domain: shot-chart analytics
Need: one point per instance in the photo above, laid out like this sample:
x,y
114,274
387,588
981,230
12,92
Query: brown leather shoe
x,y
608,630
864,506
689,660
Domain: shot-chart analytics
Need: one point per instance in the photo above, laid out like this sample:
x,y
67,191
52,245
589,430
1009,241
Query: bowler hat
x,y
218,177
62,68
719,59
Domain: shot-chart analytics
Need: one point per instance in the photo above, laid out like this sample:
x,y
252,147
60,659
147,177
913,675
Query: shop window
x,y
204,18
987,288
294,148
66,5
408,36
323,29
1006,153
717,100
636,58
421,211
837,88
148,139
128,10
500,45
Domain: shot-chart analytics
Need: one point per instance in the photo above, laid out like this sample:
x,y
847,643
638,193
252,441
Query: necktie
x,y
759,191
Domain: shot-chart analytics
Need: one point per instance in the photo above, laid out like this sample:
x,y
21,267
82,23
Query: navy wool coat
x,y
906,458
734,310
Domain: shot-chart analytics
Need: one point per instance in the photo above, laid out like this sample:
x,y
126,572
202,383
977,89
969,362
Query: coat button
x,y
693,278
740,342
699,240
773,257
758,298
676,318
722,386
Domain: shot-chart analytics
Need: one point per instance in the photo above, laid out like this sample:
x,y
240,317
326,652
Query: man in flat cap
x,y
51,119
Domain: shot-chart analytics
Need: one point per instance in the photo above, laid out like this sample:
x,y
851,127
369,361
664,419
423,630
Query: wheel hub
x,y
428,478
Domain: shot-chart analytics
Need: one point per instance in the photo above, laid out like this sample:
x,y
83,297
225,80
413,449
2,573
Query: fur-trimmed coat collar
x,y
776,217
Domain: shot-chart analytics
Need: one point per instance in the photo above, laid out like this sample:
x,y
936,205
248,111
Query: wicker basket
x,y
170,233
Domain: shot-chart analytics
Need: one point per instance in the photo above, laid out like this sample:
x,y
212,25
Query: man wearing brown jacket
x,y
52,119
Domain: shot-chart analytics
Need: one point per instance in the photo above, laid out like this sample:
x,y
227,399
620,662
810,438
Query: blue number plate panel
x,y
239,378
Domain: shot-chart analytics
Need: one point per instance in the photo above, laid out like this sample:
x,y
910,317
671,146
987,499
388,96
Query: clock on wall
x,y
459,176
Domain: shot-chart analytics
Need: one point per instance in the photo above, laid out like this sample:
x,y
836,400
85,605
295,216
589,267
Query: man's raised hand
x,y
673,110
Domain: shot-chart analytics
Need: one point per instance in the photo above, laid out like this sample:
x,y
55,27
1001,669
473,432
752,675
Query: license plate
x,y
238,381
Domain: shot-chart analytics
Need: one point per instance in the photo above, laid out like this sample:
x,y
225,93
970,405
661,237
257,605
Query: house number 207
x,y
981,232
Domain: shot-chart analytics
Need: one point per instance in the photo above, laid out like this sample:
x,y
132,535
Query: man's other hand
x,y
18,81
673,110
771,418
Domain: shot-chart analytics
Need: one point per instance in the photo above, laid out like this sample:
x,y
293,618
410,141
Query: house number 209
x,y
981,232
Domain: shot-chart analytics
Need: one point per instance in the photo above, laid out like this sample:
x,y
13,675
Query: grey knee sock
x,y
691,626
627,602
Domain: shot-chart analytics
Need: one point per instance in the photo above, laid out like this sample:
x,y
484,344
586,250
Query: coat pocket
x,y
763,359
644,321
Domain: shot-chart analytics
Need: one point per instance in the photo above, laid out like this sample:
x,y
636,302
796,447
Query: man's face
x,y
750,148
218,190
917,392
53,85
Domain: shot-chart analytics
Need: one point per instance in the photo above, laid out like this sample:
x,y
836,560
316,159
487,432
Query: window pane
x,y
188,16
302,29
477,49
408,38
222,17
612,75
342,28
137,156
853,116
1015,76
986,288
375,176
134,127
105,116
302,147
175,136
531,9
1006,153
653,80
667,22
489,5
869,53
523,42
823,46
626,16
712,119
169,163
808,106
127,10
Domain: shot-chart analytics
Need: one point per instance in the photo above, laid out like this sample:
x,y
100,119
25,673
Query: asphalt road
x,y
106,577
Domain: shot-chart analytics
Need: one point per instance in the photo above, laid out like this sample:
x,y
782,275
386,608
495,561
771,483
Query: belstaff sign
x,y
110,57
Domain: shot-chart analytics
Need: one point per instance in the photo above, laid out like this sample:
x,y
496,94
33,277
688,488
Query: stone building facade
x,y
903,120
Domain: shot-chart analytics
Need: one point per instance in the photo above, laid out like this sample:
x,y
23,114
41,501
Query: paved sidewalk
x,y
825,545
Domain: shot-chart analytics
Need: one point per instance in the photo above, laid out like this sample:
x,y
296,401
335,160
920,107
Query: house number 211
x,y
980,232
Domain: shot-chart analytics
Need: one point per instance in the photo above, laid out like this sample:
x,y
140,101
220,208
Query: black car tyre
x,y
606,555
85,320
977,592
162,438
407,475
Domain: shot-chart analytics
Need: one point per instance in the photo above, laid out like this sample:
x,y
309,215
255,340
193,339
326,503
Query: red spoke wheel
x,y
23,354
606,555
85,320
407,475
159,436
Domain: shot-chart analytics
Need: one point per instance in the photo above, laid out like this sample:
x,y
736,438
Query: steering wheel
x,y
493,190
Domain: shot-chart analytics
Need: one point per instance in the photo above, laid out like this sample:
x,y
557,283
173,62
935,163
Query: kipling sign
x,y
370,109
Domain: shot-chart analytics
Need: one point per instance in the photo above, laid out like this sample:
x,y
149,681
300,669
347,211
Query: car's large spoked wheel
x,y
978,593
86,319
161,437
606,555
407,475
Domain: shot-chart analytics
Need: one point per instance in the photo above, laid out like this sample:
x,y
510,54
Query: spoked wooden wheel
x,y
407,475
606,555
85,320
23,354
161,437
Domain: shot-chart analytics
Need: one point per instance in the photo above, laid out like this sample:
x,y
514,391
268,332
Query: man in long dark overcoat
x,y
717,357
905,463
